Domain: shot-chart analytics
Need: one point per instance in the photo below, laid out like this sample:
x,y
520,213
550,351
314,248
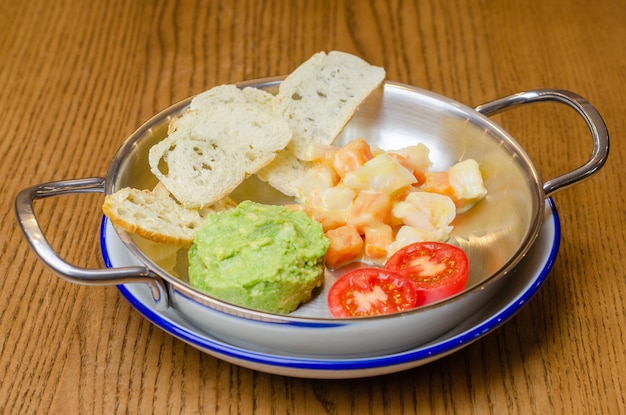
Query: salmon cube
x,y
351,156
368,209
438,182
346,245
330,219
377,238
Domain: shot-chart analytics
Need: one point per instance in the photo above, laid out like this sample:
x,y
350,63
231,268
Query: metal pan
x,y
496,233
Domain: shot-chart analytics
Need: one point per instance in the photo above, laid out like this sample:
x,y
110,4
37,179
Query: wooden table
x,y
77,78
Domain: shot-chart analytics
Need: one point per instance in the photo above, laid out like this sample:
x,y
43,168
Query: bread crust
x,y
156,216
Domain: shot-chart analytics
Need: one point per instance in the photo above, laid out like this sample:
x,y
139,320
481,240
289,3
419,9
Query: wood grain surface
x,y
78,77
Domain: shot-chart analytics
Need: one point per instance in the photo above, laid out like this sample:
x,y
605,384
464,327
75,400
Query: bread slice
x,y
285,173
228,133
318,99
156,216
211,150
322,94
228,93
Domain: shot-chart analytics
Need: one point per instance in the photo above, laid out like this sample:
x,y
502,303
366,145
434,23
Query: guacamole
x,y
259,256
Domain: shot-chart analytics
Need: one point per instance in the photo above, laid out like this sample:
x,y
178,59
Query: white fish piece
x,y
467,182
381,174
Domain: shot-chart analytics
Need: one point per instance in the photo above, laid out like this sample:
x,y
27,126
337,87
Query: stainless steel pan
x,y
496,233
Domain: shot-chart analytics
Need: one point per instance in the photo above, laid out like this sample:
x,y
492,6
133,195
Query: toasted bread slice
x,y
156,216
322,94
318,99
212,150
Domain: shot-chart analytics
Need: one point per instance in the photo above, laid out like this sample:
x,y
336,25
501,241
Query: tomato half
x,y
371,291
437,269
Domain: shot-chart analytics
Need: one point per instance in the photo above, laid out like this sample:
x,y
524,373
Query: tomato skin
x,y
371,291
438,270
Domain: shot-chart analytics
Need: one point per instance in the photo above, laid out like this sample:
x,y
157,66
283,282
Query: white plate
x,y
525,281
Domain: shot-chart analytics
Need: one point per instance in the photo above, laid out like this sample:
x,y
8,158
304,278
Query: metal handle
x,y
35,237
591,116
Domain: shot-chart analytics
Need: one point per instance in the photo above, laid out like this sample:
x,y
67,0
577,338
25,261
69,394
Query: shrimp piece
x,y
426,217
415,159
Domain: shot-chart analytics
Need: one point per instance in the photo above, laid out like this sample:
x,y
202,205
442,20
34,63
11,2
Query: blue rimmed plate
x,y
523,283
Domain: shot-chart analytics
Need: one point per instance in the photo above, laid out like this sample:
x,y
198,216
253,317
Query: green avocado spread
x,y
263,257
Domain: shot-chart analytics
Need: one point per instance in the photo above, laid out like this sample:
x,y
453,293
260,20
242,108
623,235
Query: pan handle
x,y
591,116
35,237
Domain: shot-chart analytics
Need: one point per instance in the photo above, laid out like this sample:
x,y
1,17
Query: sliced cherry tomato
x,y
438,270
371,291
